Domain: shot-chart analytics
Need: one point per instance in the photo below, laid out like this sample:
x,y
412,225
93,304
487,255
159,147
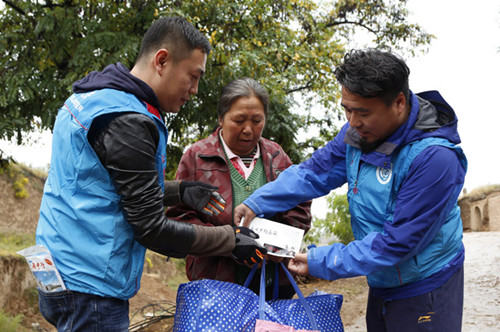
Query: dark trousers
x,y
71,311
439,310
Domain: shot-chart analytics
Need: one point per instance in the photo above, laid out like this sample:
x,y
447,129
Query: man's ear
x,y
162,57
400,102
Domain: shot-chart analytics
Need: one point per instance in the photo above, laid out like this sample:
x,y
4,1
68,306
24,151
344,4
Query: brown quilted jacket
x,y
205,161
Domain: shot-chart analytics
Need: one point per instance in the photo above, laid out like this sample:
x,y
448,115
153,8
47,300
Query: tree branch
x,y
13,6
300,88
336,23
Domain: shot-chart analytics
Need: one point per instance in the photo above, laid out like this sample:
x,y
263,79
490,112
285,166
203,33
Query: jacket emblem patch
x,y
384,175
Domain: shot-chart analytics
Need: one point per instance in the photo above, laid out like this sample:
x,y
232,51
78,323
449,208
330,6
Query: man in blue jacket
x,y
103,201
398,153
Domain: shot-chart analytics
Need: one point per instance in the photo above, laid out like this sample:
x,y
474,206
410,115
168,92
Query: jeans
x,y
72,311
439,310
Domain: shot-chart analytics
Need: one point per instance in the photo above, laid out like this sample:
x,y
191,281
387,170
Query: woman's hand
x,y
243,215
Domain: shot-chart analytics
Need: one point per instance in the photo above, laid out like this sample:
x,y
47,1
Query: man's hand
x,y
247,250
202,197
299,264
243,215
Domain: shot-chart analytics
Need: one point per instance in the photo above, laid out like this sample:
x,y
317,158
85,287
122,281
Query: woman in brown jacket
x,y
237,160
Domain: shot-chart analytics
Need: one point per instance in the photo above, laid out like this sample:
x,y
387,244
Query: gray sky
x,y
463,63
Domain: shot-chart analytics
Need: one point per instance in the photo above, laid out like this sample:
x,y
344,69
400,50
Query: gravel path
x,y
482,282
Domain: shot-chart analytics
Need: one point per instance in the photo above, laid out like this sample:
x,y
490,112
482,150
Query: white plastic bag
x,y
44,270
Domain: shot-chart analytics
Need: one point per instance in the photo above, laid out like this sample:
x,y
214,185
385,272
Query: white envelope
x,y
279,239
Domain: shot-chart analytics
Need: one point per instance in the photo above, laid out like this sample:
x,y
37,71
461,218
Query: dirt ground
x,y
482,282
158,287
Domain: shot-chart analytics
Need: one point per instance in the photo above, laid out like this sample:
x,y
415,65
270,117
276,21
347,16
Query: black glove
x,y
247,250
202,197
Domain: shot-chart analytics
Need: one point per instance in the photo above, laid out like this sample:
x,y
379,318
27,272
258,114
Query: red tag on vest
x,y
153,111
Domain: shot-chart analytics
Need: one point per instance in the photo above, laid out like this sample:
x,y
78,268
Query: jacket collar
x,y
213,146
117,77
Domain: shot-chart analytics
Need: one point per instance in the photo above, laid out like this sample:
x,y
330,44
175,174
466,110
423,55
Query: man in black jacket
x,y
104,198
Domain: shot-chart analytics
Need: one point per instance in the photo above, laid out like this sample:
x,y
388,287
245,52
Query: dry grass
x,y
481,192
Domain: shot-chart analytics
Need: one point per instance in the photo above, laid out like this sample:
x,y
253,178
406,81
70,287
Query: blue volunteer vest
x,y
81,221
372,195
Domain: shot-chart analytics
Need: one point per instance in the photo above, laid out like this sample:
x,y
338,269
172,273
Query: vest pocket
x,y
408,271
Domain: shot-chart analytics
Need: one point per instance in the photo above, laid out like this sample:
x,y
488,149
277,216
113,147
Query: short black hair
x,y
373,73
175,34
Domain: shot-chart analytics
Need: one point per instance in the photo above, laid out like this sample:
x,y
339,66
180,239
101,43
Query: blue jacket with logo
x,y
402,199
81,219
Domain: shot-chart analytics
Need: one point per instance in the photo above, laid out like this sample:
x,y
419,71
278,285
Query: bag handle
x,y
250,276
276,280
262,295
276,287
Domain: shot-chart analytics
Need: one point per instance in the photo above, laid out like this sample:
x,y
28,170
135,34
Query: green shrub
x,y
11,243
19,186
11,324
16,174
31,295
336,226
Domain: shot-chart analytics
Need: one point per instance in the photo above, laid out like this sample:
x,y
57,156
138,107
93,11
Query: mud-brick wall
x,y
481,214
15,279
465,213
494,213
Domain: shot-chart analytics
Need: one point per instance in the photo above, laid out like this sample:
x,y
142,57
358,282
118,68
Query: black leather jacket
x,y
126,145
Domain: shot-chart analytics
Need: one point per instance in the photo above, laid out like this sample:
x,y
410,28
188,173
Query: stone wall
x,y
16,279
465,213
481,214
494,213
